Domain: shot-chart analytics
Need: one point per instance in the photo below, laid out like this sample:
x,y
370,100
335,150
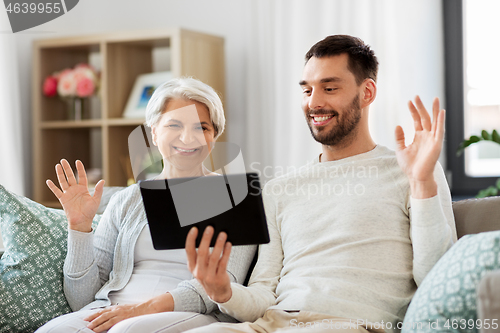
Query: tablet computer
x,y
229,203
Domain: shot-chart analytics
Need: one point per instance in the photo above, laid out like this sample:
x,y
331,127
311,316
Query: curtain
x,y
11,153
11,162
405,35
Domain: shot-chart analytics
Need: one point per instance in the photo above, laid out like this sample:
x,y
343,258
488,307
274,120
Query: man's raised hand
x,y
210,268
419,159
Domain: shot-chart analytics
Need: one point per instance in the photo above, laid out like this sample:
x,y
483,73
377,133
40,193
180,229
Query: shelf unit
x,y
101,141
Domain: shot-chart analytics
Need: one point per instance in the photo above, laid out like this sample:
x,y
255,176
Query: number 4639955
x,y
471,323
33,7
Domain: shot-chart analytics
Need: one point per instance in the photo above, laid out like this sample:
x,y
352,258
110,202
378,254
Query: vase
x,y
77,109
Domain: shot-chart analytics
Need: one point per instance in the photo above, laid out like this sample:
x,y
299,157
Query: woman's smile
x,y
186,151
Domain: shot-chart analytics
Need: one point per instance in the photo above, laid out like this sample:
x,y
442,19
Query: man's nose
x,y
316,100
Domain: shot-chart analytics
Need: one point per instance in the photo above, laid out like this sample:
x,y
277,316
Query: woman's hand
x,y
419,159
105,319
80,207
210,268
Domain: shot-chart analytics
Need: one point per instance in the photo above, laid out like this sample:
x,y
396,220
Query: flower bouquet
x,y
73,85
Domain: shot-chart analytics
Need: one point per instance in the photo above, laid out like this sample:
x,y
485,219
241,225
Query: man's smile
x,y
321,120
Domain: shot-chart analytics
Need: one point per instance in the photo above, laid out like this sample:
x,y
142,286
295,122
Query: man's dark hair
x,y
362,60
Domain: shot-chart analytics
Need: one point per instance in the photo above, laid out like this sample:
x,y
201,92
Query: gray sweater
x,y
100,262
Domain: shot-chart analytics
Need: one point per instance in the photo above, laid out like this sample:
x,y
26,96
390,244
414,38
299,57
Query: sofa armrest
x,y
488,302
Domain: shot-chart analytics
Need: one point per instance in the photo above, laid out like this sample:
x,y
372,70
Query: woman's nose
x,y
187,136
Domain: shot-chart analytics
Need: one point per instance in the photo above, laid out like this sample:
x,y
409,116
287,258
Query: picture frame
x,y
144,87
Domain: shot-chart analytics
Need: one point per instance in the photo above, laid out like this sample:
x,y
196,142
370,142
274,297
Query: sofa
x,y
471,217
35,240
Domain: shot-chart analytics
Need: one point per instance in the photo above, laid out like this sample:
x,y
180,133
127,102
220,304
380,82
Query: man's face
x,y
330,100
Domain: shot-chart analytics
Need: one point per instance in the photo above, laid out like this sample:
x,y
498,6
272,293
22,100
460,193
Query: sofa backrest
x,y
473,216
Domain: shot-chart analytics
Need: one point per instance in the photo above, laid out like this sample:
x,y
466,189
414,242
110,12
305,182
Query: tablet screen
x,y
229,203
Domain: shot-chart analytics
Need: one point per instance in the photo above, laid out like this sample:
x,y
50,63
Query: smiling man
x,y
349,254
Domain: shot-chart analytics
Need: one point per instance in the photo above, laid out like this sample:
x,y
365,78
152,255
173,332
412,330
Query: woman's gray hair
x,y
186,88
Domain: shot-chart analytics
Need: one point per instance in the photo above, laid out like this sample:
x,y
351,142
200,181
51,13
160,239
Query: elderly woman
x,y
114,277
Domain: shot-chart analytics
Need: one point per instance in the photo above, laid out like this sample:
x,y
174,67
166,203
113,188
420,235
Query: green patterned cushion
x,y
446,299
35,240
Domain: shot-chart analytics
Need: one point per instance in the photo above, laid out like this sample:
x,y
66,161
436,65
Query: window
x,y
472,86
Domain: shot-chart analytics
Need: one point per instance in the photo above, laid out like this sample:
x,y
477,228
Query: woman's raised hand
x,y
80,207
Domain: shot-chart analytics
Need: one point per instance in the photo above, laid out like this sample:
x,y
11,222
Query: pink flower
x,y
85,87
50,86
67,84
82,81
86,80
83,72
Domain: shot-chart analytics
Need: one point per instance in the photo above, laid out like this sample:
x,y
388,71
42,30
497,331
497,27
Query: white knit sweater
x,y
346,240
97,264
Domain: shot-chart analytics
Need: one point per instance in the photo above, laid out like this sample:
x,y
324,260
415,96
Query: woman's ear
x,y
369,92
154,135
215,130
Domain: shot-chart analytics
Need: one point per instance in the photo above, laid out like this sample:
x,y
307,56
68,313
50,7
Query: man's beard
x,y
345,128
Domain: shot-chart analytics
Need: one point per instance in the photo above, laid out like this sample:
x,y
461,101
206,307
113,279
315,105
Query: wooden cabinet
x,y
101,141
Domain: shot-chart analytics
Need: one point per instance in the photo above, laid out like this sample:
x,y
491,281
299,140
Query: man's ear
x,y
369,92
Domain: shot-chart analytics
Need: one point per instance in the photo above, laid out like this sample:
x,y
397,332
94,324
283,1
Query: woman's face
x,y
184,134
